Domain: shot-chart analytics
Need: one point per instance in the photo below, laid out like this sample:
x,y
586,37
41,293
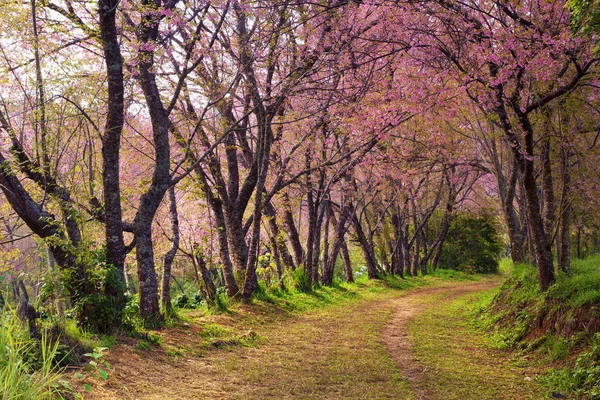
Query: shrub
x,y
472,245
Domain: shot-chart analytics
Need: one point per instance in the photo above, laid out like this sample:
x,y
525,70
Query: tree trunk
x,y
535,220
548,205
366,248
211,290
111,140
327,210
339,244
515,231
347,262
165,297
316,253
282,248
564,235
292,234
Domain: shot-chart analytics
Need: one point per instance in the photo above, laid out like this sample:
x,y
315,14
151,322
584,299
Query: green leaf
x,y
78,375
87,387
103,374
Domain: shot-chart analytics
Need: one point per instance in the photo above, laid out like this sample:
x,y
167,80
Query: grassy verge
x,y
557,329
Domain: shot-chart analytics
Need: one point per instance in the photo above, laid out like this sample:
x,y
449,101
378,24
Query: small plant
x,y
96,368
301,281
143,345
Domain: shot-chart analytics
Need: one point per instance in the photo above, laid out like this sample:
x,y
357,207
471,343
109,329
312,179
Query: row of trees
x,y
228,127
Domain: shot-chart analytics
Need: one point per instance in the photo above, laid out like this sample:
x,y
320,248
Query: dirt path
x,y
395,333
357,350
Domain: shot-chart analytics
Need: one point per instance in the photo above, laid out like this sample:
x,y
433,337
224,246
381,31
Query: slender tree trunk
x,y
327,210
165,298
564,235
211,290
535,220
347,262
265,139
339,244
111,140
548,205
292,233
282,248
406,251
515,231
316,253
366,248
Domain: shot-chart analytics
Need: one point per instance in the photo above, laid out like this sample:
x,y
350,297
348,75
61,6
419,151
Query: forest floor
x,y
411,344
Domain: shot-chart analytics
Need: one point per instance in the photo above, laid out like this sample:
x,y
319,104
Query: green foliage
x,y
27,366
131,314
185,301
472,245
100,296
585,16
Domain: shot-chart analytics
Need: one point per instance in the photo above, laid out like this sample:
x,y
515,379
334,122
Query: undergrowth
x,y
28,367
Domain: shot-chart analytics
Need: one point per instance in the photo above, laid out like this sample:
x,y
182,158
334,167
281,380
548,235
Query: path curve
x,y
395,333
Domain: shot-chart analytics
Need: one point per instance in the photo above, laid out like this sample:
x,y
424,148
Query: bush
x,y
472,245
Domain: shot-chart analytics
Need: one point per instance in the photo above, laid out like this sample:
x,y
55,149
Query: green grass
x,y
582,286
458,361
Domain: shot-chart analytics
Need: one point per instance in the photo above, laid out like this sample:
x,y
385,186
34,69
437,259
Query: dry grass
x,y
335,352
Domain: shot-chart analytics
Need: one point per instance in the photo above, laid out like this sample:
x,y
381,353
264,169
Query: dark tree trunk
x,y
211,290
535,221
161,177
316,253
398,254
327,210
282,248
524,156
339,244
111,141
26,312
515,231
